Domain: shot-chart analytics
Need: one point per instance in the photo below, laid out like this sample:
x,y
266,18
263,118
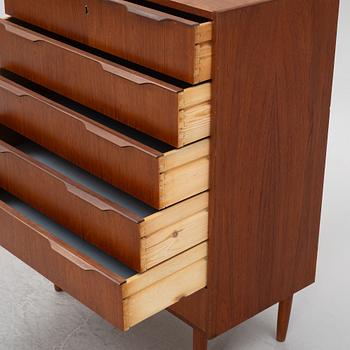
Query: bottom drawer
x,y
118,294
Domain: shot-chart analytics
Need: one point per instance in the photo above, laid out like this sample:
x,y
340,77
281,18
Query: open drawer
x,y
119,224
177,44
118,294
152,171
171,111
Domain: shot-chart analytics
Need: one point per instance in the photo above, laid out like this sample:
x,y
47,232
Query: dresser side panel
x,y
272,89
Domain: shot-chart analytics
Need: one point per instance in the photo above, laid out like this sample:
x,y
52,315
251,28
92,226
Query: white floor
x,y
34,317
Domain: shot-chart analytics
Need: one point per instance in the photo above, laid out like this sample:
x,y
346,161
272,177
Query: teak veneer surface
x,y
154,172
272,91
115,292
177,115
120,225
172,45
206,8
279,145
272,80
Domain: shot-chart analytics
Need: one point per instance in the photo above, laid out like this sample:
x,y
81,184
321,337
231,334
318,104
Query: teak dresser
x,y
167,154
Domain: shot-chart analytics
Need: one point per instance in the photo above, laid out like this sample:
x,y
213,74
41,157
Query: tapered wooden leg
x,y
200,340
57,288
284,311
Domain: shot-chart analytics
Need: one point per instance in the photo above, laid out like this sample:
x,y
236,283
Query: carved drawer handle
x,y
4,148
94,129
86,197
22,33
122,73
142,11
13,89
82,264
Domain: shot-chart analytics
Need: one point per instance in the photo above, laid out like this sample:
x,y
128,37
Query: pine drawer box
x,y
171,44
176,114
152,171
167,154
120,225
105,285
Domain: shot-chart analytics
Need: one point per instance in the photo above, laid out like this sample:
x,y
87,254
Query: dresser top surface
x,y
208,7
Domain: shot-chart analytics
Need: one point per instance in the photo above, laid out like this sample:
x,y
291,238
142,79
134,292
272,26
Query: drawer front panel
x,y
52,259
117,159
122,226
172,45
118,294
95,219
159,175
146,104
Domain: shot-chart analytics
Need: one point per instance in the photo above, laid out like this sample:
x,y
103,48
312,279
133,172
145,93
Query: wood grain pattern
x,y
154,39
194,113
271,89
103,291
284,310
99,221
200,340
193,310
138,242
206,8
158,221
110,155
165,284
184,181
92,285
175,239
165,292
144,103
271,99
274,68
157,178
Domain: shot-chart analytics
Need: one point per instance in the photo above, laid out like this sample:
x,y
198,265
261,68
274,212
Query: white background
x,y
34,317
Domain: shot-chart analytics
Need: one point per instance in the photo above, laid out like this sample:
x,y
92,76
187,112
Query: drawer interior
x,y
81,269
172,11
114,221
38,113
67,236
173,240
84,178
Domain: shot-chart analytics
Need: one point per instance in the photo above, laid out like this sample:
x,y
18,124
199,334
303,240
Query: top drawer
x,y
173,45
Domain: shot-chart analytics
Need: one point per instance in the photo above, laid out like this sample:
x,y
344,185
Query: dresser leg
x,y
200,340
57,288
284,311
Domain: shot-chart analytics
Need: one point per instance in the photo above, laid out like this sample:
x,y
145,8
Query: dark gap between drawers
x,y
104,55
89,113
67,236
170,11
86,179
